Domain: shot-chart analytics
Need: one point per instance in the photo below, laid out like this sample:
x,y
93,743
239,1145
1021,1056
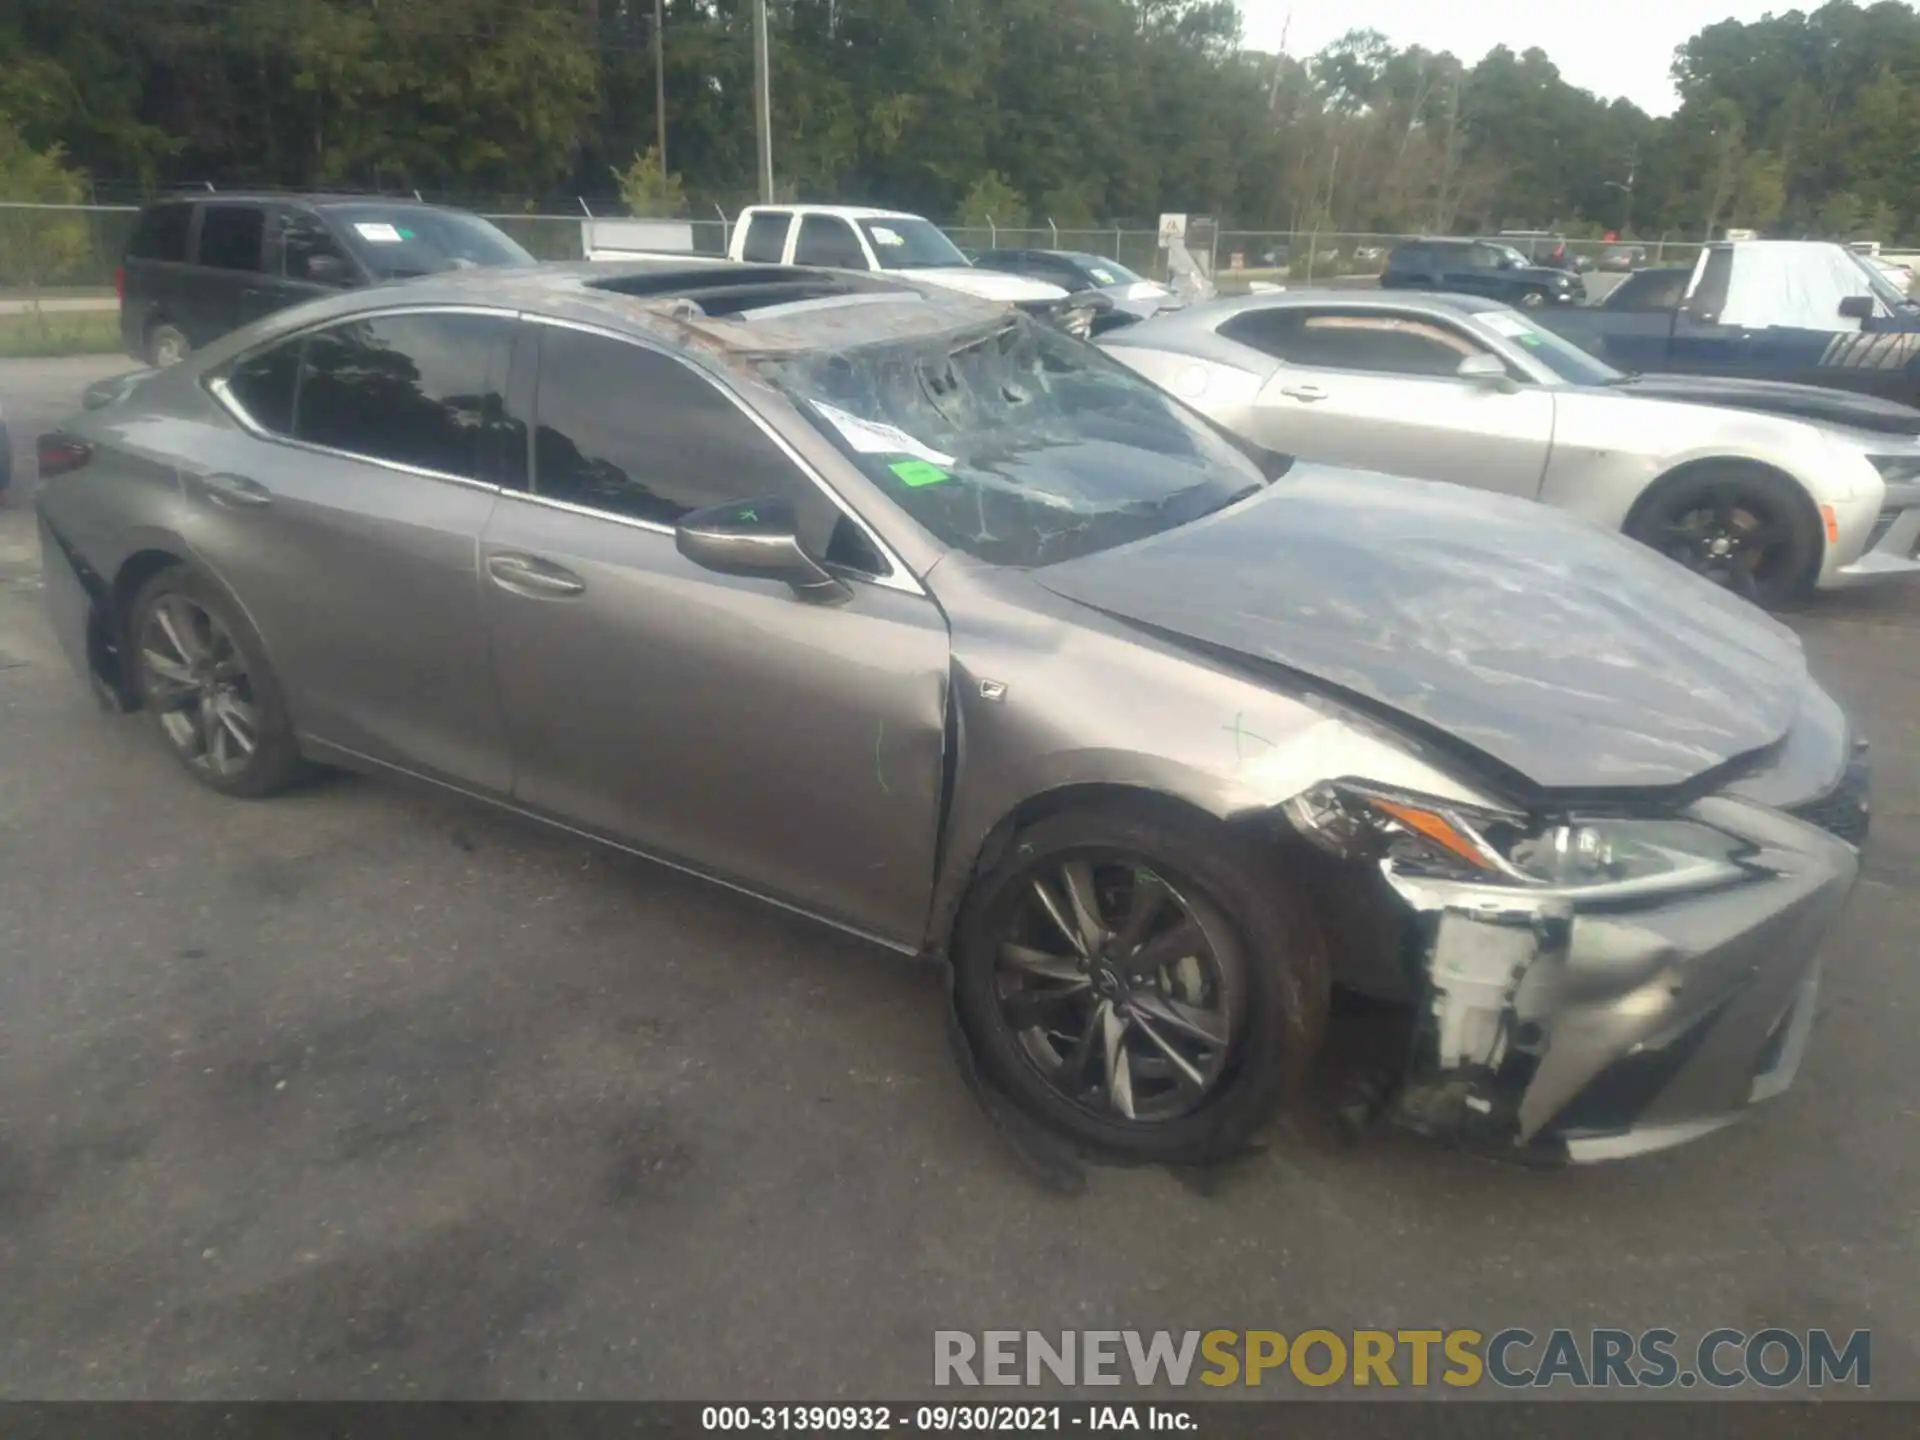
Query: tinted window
x,y
305,241
825,240
1649,290
264,384
766,242
636,433
418,389
1382,344
161,234
231,235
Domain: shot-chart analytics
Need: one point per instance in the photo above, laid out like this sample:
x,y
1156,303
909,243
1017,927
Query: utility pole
x,y
660,82
763,100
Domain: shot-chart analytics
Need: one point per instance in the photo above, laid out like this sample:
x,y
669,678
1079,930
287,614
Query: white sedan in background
x,y
1772,490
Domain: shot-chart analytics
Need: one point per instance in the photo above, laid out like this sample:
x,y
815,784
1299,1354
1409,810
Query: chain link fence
x,y
79,246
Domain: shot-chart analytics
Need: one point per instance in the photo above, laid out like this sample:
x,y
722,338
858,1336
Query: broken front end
x,y
1593,986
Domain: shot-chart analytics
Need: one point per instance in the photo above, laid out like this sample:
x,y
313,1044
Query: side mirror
x,y
328,270
1857,307
757,540
1488,372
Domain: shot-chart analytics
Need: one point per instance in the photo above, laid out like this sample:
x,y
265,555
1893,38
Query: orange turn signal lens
x,y
1436,828
1833,524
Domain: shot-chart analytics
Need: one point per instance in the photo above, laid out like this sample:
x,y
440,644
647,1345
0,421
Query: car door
x,y
305,260
1471,270
724,723
346,514
232,283
1377,388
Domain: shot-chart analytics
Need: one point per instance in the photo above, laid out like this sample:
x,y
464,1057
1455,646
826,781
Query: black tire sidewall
x,y
1283,956
153,341
276,761
1781,495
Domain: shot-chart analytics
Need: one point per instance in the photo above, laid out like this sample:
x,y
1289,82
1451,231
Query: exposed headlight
x,y
1599,858
1896,469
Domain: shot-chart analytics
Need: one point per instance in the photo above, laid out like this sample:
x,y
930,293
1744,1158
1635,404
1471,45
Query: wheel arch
x,y
1687,469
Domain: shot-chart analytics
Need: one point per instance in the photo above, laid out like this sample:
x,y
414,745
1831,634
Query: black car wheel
x,y
204,678
1145,983
1533,299
1751,530
167,344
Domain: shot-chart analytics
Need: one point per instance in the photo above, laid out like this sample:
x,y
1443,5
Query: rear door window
x,y
232,237
766,238
161,234
264,384
1374,343
423,390
829,240
309,252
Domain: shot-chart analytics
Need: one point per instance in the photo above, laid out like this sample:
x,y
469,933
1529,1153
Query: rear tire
x,y
1533,300
1217,1024
1753,531
201,672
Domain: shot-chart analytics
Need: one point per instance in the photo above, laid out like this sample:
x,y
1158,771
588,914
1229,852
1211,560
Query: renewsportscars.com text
x,y
1511,1359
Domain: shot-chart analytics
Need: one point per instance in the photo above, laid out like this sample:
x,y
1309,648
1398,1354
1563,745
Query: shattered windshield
x,y
1016,443
911,244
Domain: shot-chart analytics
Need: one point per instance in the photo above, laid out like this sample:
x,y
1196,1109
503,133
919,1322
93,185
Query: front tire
x,y
1533,300
203,676
1143,981
1753,531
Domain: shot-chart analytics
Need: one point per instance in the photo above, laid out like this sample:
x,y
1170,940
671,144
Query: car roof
x,y
318,200
727,310
1194,330
845,212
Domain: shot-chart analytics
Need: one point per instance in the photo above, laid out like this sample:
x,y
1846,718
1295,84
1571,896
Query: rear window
x,y
161,234
766,239
400,242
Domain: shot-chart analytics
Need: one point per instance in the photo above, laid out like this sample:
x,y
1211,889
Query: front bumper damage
x,y
1555,1031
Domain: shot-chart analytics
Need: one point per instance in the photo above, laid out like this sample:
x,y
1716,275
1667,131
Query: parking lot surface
x,y
369,1092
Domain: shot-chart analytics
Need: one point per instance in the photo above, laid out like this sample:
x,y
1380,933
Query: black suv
x,y
199,266
1479,267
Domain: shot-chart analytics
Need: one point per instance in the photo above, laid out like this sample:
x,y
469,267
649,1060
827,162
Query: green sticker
x,y
406,234
918,472
752,516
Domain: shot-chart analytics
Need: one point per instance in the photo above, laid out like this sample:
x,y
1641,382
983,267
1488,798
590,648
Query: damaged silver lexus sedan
x,y
898,609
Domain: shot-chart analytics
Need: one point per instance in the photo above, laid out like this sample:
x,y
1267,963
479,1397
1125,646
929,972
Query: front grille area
x,y
1881,526
1843,810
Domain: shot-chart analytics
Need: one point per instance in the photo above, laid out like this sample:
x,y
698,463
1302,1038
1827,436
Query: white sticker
x,y
1105,277
871,438
883,236
378,231
1511,326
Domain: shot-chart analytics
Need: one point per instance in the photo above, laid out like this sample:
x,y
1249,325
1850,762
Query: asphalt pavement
x,y
367,1092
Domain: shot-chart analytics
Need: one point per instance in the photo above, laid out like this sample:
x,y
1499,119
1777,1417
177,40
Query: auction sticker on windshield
x,y
1511,326
869,437
378,231
883,236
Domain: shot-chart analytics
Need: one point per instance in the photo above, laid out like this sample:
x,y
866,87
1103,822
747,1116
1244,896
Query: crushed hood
x,y
1574,657
1801,402
988,284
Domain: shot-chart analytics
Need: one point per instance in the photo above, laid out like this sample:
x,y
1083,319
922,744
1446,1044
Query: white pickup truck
x,y
850,237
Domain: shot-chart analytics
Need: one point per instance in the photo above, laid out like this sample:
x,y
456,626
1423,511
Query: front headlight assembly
x,y
1587,859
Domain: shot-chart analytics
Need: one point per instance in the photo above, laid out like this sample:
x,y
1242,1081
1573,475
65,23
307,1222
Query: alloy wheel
x,y
197,682
1114,989
1728,534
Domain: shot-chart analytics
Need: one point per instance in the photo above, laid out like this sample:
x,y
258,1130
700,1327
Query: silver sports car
x,y
1823,491
899,609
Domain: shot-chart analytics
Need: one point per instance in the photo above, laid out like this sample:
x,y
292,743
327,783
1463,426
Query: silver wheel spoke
x,y
1055,914
236,718
166,668
176,621
1170,948
1188,1073
212,732
1149,891
1073,1067
1113,1043
1038,962
1202,1025
1077,875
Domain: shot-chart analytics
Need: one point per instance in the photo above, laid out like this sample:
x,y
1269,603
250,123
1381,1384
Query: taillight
x,y
60,454
120,281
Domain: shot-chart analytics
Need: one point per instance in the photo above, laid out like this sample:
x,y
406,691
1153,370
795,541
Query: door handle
x,y
526,575
1307,393
235,491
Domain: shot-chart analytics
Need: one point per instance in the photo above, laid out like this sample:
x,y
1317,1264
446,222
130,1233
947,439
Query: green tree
x,y
992,200
649,190
39,247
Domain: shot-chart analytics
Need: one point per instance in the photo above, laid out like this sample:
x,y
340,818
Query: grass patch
x,y
59,332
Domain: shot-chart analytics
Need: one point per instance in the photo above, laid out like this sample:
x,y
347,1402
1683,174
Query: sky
x,y
1623,52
